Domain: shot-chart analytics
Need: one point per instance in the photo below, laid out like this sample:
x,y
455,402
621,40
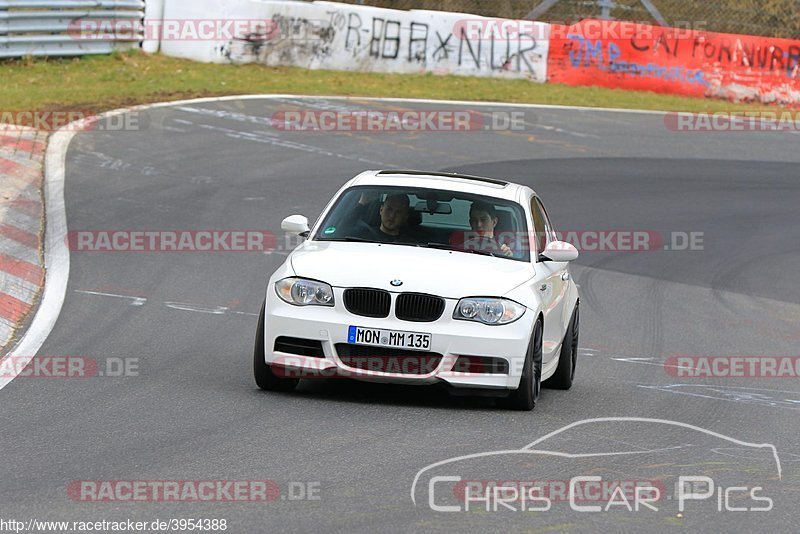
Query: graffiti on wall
x,y
674,60
374,39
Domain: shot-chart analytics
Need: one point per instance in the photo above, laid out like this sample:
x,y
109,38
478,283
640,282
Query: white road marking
x,y
262,132
283,143
231,115
731,394
213,310
137,301
268,121
244,313
648,361
562,130
183,306
305,98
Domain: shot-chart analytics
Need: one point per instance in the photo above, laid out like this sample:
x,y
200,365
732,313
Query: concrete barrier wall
x,y
328,35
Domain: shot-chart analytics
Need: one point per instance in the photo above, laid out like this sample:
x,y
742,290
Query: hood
x,y
449,274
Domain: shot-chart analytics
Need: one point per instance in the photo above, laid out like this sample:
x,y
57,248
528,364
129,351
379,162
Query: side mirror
x,y
295,224
559,251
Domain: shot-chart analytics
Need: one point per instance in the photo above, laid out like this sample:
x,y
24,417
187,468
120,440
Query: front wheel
x,y
262,371
530,384
568,358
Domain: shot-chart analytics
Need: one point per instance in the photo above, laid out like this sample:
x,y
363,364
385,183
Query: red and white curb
x,y
21,216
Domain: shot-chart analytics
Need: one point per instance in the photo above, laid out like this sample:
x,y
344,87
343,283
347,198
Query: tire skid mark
x,y
759,313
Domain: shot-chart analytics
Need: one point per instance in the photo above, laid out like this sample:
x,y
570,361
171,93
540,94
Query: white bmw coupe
x,y
414,277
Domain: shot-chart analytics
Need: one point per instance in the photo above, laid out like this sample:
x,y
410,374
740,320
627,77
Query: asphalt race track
x,y
188,319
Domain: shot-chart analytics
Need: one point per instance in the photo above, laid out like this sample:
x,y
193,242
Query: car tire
x,y
568,358
262,371
524,398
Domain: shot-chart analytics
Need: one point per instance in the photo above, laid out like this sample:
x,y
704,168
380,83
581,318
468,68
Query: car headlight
x,y
303,292
488,310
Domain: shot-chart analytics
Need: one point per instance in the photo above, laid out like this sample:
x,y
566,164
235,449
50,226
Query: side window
x,y
551,232
541,226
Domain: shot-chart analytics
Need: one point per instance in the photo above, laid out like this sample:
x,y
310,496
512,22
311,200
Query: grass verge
x,y
100,83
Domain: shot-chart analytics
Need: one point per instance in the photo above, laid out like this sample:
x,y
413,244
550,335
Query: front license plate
x,y
377,337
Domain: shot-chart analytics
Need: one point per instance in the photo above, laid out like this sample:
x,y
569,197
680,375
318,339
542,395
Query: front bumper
x,y
450,338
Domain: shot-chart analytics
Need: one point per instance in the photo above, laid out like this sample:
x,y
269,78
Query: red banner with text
x,y
689,62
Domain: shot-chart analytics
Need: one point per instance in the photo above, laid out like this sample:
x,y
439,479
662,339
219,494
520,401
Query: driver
x,y
394,214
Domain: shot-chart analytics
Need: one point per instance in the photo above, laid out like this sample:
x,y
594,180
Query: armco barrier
x,y
328,35
68,27
678,61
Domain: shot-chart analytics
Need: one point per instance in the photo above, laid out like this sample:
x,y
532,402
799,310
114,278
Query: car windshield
x,y
431,218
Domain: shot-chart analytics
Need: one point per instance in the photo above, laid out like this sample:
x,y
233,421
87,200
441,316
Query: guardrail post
x,y
153,23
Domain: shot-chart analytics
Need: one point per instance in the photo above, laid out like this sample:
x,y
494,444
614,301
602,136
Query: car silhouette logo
x,y
396,283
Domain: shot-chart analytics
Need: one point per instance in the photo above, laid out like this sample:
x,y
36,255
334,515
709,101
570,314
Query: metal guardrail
x,y
59,27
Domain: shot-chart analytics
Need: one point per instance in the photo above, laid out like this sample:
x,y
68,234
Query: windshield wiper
x,y
352,239
444,246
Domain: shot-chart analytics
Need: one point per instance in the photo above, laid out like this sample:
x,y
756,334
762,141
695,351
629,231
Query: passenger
x,y
483,221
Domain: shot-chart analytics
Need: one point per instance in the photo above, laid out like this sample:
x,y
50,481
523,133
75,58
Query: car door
x,y
550,284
